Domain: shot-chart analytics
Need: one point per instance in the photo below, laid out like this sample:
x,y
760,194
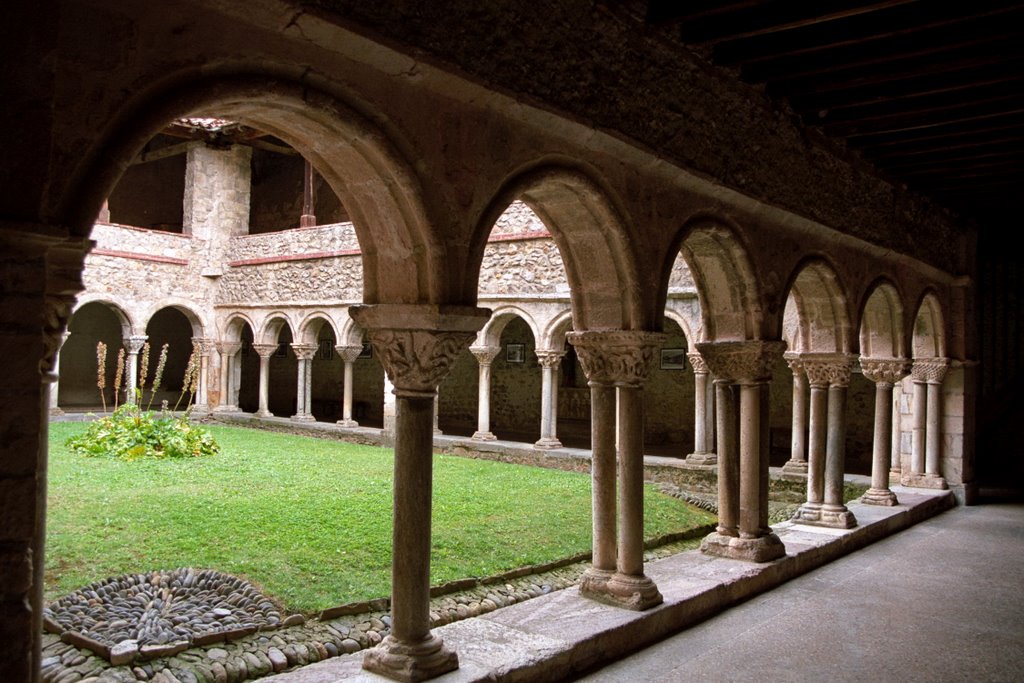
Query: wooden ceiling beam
x,y
916,119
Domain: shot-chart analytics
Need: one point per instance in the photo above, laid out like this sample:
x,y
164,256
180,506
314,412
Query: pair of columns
x,y
926,442
304,383
549,362
742,372
703,413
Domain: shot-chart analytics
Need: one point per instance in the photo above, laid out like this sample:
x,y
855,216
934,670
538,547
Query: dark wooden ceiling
x,y
931,92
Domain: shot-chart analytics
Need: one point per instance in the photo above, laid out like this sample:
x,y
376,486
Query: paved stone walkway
x,y
941,601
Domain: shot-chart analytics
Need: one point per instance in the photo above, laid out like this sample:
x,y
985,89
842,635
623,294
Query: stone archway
x,y
91,323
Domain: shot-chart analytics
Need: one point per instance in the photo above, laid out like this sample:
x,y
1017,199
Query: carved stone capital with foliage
x,y
622,357
795,361
884,371
305,351
265,350
930,370
485,355
549,359
417,343
742,361
135,343
228,349
828,369
700,366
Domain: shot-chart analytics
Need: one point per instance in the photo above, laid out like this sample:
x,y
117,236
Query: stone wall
x,y
322,239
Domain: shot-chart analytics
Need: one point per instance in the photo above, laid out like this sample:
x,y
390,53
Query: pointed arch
x,y
929,335
594,241
882,333
821,307
727,289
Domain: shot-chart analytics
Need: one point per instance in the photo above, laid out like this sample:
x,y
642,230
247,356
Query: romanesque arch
x,y
882,333
822,312
402,255
929,334
94,321
593,239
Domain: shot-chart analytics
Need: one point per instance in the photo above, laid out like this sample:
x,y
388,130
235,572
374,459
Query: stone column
x,y
55,409
348,355
308,218
728,459
896,466
484,355
702,454
797,463
829,376
885,373
749,365
133,345
417,345
204,347
549,362
304,382
265,351
437,410
618,360
926,458
228,390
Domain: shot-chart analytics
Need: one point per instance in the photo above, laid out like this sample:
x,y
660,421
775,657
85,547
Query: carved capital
x,y
56,313
417,343
485,355
742,361
828,369
265,350
135,343
204,346
930,370
304,351
348,353
228,349
700,366
549,359
884,371
795,361
623,357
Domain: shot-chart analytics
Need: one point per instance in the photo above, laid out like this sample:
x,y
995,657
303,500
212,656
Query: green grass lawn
x,y
308,520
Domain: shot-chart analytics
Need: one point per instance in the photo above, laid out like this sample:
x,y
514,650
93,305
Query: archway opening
x,y
90,324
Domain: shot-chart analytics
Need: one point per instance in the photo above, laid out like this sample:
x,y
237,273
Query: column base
x,y
628,591
924,481
795,467
350,424
411,662
304,418
895,475
227,409
548,443
702,459
875,496
263,413
483,436
761,549
56,412
831,516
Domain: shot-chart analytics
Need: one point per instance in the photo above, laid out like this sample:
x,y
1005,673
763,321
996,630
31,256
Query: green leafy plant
x,y
131,433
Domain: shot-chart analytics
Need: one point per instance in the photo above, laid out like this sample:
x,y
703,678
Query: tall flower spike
x,y
101,372
118,375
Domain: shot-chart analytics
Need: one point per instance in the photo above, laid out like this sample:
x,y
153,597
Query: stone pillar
x,y
204,347
549,362
55,409
926,457
702,454
618,360
484,355
133,344
747,364
308,218
218,183
437,410
40,275
228,390
417,345
348,355
797,463
829,376
885,373
304,382
265,351
896,466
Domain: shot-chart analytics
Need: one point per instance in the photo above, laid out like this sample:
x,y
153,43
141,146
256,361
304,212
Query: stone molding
x,y
417,343
930,370
485,355
828,369
264,350
348,353
700,366
622,357
549,359
304,351
742,361
884,371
